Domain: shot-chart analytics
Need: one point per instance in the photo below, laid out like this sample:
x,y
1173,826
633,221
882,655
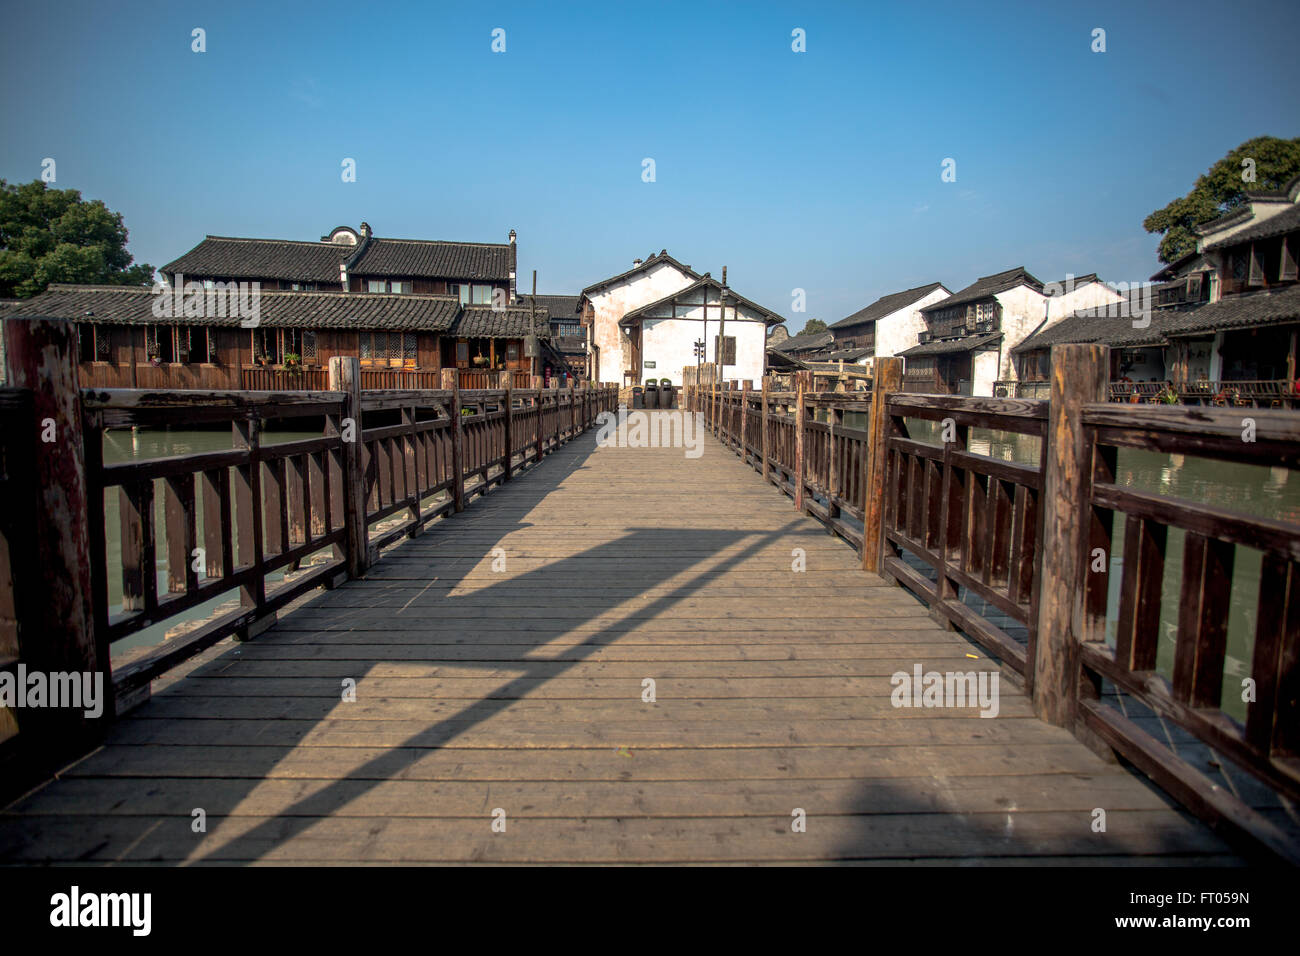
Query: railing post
x,y
541,419
345,377
744,421
801,384
886,378
555,397
763,426
53,569
451,382
507,382
1079,375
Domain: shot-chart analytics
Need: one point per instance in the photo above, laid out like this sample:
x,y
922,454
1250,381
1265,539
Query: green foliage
x,y
813,325
1221,189
53,235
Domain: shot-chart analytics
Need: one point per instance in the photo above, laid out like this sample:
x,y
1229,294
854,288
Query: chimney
x,y
365,230
514,256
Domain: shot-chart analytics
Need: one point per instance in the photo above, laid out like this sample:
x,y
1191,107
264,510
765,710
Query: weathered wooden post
x,y
1079,375
345,377
744,422
507,383
52,569
802,382
887,378
451,382
541,412
763,426
573,414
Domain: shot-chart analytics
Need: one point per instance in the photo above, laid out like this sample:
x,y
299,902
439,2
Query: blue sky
x,y
817,170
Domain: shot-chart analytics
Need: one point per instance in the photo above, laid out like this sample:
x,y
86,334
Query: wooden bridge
x,y
544,643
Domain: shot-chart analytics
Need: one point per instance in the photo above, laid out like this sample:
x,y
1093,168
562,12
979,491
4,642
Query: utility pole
x,y
722,329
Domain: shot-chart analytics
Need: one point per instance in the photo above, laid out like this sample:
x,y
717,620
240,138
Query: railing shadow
x,y
696,553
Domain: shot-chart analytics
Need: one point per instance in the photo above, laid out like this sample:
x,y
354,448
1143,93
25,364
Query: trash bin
x,y
666,394
650,394
637,399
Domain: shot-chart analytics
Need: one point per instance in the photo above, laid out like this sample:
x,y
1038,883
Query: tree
x,y
1272,163
813,325
53,235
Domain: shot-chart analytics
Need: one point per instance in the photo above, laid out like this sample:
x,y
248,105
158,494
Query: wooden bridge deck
x,y
521,689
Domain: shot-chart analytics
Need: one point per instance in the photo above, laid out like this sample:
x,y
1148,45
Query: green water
x,y
1250,489
123,445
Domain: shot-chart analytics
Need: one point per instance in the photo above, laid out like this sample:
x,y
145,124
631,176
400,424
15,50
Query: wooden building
x,y
402,340
1224,319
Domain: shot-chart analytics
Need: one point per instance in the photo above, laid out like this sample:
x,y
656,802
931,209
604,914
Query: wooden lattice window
x,y
308,348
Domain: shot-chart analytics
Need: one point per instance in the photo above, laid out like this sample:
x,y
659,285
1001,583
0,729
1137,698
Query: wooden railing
x,y
1008,553
971,520
256,526
1272,393
1268,743
275,378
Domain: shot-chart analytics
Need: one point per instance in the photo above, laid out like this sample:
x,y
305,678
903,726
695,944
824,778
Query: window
x,y
298,286
512,351
729,355
400,288
461,292
1287,272
462,353
376,285
85,343
395,349
308,348
160,342
482,295
266,345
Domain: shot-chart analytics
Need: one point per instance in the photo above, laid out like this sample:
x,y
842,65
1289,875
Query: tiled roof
x,y
1248,310
887,304
1286,221
799,343
232,258
434,260
770,317
659,258
986,286
227,258
950,346
134,305
1244,311
559,306
515,322
1090,326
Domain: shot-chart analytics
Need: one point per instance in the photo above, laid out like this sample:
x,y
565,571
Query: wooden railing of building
x,y
260,524
988,544
260,378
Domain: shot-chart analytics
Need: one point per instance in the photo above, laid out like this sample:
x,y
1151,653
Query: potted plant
x,y
293,361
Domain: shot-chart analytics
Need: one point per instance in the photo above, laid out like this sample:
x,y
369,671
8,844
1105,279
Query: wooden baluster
x,y
182,533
